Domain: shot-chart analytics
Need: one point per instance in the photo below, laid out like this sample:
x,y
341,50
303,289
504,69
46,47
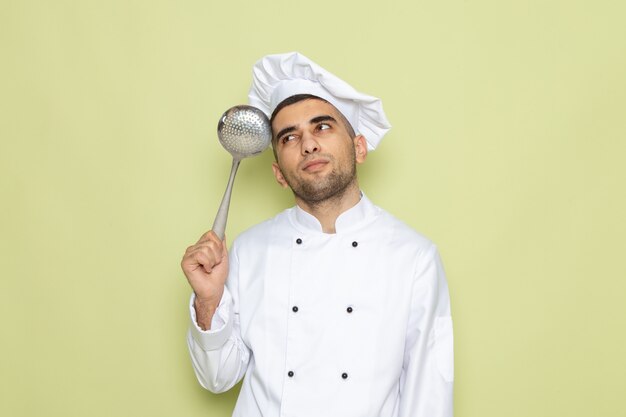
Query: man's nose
x,y
309,144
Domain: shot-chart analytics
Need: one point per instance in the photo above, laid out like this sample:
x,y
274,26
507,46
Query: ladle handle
x,y
219,225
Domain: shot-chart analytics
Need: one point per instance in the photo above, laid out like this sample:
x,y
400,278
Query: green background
x,y
507,150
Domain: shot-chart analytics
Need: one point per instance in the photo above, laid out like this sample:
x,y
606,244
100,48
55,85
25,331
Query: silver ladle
x,y
243,131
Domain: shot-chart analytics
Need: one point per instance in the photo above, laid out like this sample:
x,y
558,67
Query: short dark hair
x,y
293,100
301,97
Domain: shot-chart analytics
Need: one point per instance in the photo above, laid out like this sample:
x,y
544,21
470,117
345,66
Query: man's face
x,y
315,155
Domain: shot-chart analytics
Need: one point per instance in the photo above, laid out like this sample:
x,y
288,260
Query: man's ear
x,y
360,148
279,175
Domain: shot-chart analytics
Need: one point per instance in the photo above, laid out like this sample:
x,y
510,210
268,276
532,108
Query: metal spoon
x,y
243,131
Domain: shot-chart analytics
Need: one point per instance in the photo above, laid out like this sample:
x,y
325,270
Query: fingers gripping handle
x,y
219,225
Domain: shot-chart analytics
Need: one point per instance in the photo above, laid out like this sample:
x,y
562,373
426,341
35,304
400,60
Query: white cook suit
x,y
351,324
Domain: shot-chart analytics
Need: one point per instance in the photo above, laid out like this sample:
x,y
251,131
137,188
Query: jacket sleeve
x,y
427,377
219,356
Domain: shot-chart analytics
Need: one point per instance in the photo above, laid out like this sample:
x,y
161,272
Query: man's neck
x,y
327,211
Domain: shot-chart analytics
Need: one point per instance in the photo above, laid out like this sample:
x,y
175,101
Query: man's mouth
x,y
314,165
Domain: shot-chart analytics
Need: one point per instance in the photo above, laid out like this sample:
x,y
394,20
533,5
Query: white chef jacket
x,y
351,324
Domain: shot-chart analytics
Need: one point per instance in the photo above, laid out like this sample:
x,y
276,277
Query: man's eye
x,y
287,138
323,126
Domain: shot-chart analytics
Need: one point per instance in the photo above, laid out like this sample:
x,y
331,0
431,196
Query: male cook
x,y
333,308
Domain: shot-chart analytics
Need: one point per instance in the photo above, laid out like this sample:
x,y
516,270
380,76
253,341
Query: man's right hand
x,y
205,265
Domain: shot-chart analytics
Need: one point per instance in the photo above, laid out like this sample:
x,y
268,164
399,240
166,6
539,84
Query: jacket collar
x,y
361,213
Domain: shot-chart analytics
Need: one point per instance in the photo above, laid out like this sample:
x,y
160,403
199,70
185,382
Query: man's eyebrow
x,y
324,118
286,130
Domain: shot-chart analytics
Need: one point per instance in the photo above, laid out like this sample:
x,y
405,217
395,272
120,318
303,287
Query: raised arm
x,y
219,356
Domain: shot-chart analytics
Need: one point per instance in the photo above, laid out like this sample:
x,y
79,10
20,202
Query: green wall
x,y
507,150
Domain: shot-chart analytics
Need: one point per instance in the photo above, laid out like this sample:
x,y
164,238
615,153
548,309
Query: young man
x,y
333,307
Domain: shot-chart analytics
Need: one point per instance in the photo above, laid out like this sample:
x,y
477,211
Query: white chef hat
x,y
277,77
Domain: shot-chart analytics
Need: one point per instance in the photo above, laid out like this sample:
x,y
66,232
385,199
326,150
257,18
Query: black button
x,y
295,309
290,374
349,309
344,375
299,241
355,244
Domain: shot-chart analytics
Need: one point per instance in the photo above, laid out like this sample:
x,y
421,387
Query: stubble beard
x,y
318,191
